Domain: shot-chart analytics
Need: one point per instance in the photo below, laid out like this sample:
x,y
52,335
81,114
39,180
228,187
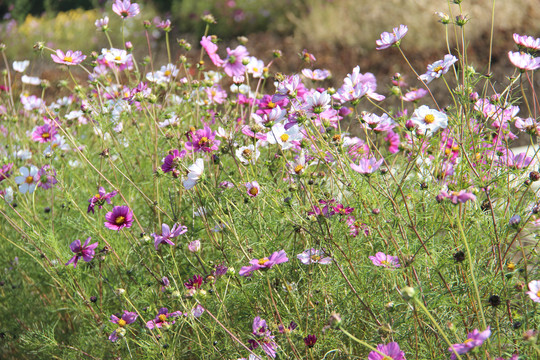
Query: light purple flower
x,y
125,8
414,95
233,65
167,234
276,258
85,251
313,256
518,161
47,177
102,24
317,74
390,351
524,61
69,58
171,161
5,171
203,140
161,319
263,337
438,68
29,179
455,196
253,188
194,246
126,319
100,198
367,166
121,217
474,339
389,39
387,261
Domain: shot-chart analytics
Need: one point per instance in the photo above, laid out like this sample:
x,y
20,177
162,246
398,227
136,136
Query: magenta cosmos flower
x,y
387,261
100,198
263,337
167,234
277,257
524,61
161,319
474,339
389,351
314,256
203,140
121,217
389,39
85,251
44,133
126,319
211,49
5,171
125,8
69,58
438,68
171,161
367,166
534,291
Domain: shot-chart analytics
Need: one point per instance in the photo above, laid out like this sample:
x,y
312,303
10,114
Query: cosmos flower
x,y
438,68
85,251
211,49
474,339
195,172
387,261
171,161
5,171
161,319
203,140
253,188
317,74
233,65
313,256
527,41
125,319
44,133
100,198
455,196
29,179
534,291
125,8
389,39
263,337
167,234
20,66
69,58
276,258
120,217
47,177
390,351
524,61
428,121
367,165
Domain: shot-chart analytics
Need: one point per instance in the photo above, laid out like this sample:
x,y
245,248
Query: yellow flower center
x,y
121,322
511,266
467,341
29,180
271,105
254,191
447,151
97,196
438,68
45,135
298,168
263,261
429,119
162,318
68,59
284,137
213,92
385,262
255,69
117,58
168,73
387,358
247,153
336,137
120,220
54,146
315,257
203,141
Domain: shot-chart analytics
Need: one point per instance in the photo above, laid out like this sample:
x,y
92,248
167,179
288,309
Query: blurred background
x,y
340,33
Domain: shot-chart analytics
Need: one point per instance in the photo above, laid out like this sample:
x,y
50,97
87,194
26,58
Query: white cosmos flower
x,y
20,66
30,80
278,135
195,172
248,154
8,195
29,179
429,120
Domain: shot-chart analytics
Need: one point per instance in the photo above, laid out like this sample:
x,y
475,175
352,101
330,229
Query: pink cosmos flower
x,y
100,198
47,177
125,8
203,140
121,217
44,133
389,39
253,188
474,339
414,95
313,256
171,161
211,49
5,171
194,246
393,139
367,166
524,61
527,41
233,65
390,351
356,227
161,319
167,234
69,58
387,261
455,196
438,68
126,319
512,161
317,74
216,94
276,258
263,338
85,251
534,291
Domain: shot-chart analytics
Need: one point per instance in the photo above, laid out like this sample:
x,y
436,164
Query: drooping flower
x,y
102,24
428,121
167,234
389,39
474,339
194,246
161,319
29,179
438,68
120,217
276,258
534,291
253,188
314,256
390,351
524,61
414,95
85,251
195,172
367,165
69,58
317,74
126,319
125,8
100,198
387,261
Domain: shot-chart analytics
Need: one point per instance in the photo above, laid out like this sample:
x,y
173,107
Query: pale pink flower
x,y
534,291
69,58
125,8
524,61
389,39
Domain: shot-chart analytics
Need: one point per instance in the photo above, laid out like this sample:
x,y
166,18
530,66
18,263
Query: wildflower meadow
x,y
202,205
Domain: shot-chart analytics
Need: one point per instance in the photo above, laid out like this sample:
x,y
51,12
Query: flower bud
x,y
408,293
